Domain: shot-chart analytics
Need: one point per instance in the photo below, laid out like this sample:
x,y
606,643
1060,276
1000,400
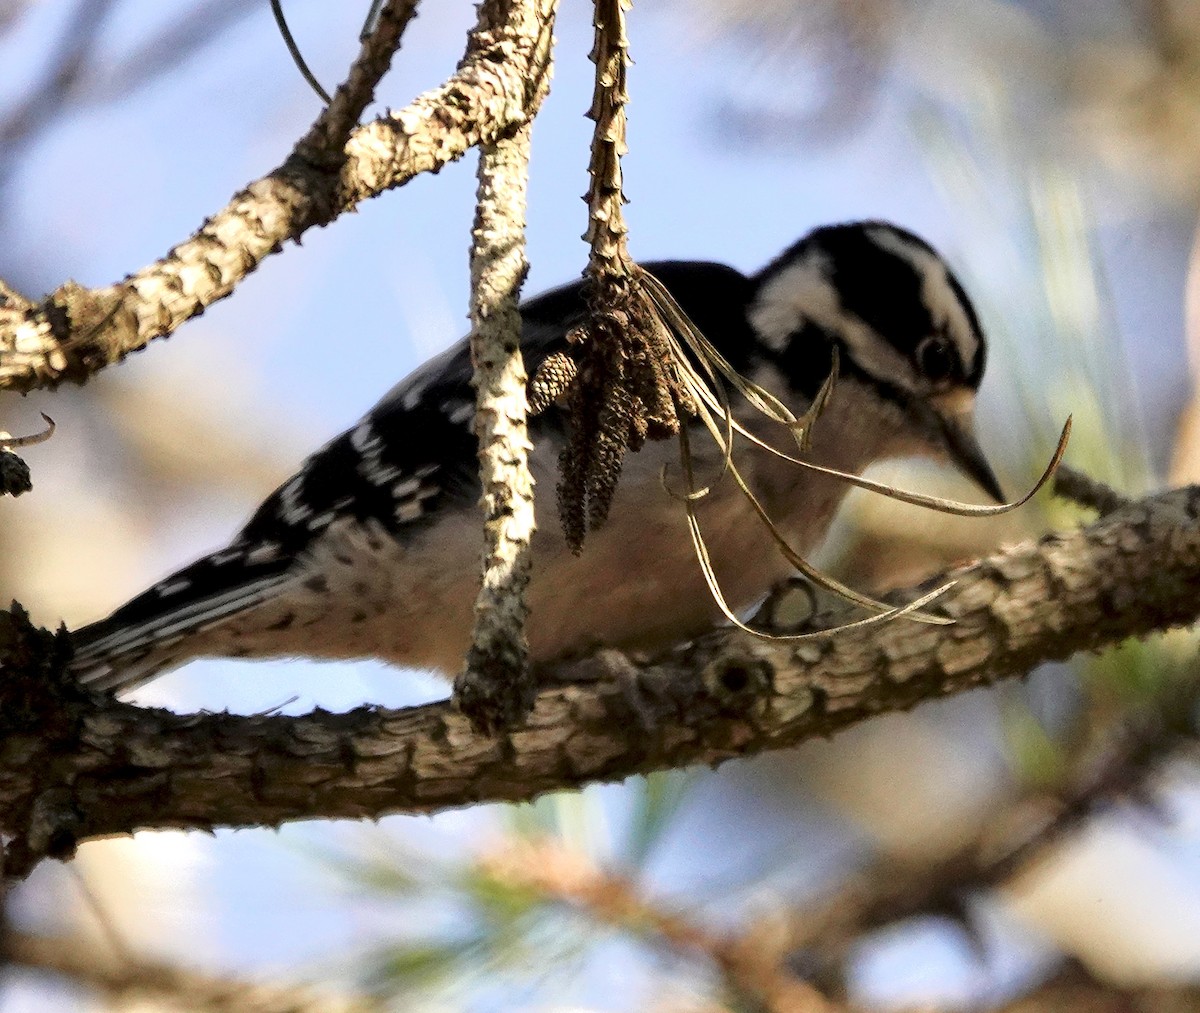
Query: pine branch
x,y
496,690
1021,835
555,874
76,331
73,767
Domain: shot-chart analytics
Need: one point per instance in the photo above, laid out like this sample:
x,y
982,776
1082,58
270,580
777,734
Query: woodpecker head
x,y
901,323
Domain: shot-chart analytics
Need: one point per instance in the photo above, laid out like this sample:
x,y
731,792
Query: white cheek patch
x,y
802,292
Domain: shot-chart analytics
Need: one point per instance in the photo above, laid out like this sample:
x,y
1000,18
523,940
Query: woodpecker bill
x,y
372,549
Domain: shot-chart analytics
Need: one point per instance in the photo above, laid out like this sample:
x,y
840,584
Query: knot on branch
x,y
736,680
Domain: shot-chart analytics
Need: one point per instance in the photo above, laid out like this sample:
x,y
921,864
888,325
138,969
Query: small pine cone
x,y
556,373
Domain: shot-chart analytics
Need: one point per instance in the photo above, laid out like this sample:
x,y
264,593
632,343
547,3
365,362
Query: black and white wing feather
x,y
353,555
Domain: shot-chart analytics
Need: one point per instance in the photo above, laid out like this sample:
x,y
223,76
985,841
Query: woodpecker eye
x,y
935,359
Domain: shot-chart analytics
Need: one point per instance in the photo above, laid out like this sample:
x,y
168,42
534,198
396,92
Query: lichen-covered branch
x,y
329,133
76,331
496,690
74,767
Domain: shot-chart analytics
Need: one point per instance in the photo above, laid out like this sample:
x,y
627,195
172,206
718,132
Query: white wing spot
x,y
364,439
459,412
264,553
412,396
370,444
170,587
291,509
403,490
408,511
380,476
322,520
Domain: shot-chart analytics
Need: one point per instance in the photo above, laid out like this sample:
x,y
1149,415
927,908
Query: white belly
x,y
637,584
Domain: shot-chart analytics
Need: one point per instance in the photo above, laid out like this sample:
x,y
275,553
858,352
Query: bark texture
x,y
496,690
73,767
76,331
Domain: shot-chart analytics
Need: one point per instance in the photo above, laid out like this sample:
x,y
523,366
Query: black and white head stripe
x,y
897,310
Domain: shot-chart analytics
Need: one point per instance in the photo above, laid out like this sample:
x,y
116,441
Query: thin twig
x,y
108,927
327,137
72,60
297,57
189,29
127,979
608,252
370,21
1087,491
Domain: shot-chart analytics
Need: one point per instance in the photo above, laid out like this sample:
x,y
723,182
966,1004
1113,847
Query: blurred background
x,y
1051,150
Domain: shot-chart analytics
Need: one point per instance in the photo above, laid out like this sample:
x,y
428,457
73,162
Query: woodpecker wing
x,y
409,462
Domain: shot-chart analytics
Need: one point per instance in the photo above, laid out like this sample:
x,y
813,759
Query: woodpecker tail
x,y
166,625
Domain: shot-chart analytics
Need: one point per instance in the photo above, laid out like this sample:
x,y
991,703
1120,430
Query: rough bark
x,y
496,690
76,331
73,767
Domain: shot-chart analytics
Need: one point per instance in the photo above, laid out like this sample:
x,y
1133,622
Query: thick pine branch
x,y
73,767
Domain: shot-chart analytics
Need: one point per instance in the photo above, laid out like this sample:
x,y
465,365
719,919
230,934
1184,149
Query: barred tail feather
x,y
119,673
165,626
